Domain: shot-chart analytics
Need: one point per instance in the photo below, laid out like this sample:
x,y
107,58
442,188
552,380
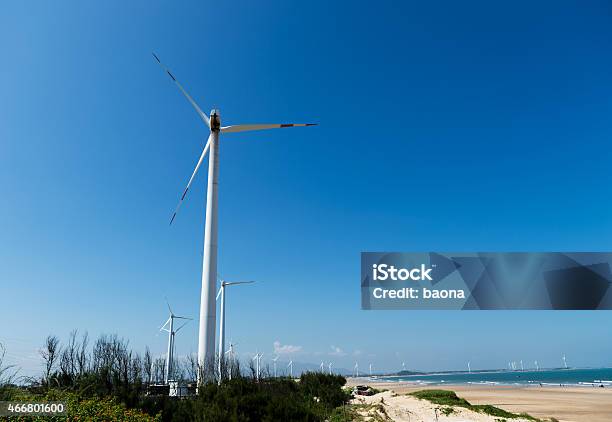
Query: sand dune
x,y
567,404
404,408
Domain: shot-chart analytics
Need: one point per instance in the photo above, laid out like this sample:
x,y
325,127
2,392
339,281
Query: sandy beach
x,y
567,404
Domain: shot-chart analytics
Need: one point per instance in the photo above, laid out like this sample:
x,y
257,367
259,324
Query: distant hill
x,y
404,373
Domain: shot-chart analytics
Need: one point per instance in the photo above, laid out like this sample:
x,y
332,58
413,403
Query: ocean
x,y
587,377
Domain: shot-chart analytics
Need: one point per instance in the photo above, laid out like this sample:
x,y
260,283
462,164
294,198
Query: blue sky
x,y
446,126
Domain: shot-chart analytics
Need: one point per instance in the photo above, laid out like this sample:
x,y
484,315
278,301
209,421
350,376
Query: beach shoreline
x,y
575,404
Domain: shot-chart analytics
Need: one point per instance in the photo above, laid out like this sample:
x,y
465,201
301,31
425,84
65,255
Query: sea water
x,y
586,377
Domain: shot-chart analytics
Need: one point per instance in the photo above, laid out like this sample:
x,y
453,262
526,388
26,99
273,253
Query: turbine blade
x,y
204,151
185,323
170,309
245,128
202,115
218,294
231,283
163,327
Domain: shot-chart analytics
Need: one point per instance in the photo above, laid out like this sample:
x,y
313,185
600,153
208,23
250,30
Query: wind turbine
x,y
221,293
290,366
257,359
537,366
370,370
522,367
329,366
274,360
206,339
564,361
169,327
231,353
469,368
403,366
356,368
321,366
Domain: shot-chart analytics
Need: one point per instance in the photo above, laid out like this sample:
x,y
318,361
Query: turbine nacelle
x,y
215,120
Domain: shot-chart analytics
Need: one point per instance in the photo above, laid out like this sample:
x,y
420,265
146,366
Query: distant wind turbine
x,y
221,294
206,340
321,366
537,366
370,370
257,359
290,366
230,352
169,327
522,367
564,361
356,368
469,368
330,366
274,360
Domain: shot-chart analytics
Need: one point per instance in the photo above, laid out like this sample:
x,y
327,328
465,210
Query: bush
x,y
450,398
442,397
312,398
327,388
91,409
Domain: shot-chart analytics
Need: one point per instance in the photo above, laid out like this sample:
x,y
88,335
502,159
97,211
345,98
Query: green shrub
x,y
442,397
450,398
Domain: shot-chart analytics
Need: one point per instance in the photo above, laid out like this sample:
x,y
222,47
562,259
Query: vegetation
x,y
108,381
450,399
362,412
7,372
377,390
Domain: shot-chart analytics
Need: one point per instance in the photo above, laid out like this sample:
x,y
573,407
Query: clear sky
x,y
443,126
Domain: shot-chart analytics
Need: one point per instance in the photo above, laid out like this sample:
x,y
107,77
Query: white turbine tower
x,y
274,360
564,361
370,370
469,368
169,327
290,366
522,367
537,366
206,339
221,294
257,359
356,369
321,366
329,366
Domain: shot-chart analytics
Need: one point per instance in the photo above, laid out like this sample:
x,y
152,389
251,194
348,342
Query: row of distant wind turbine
x,y
207,329
257,359
512,365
